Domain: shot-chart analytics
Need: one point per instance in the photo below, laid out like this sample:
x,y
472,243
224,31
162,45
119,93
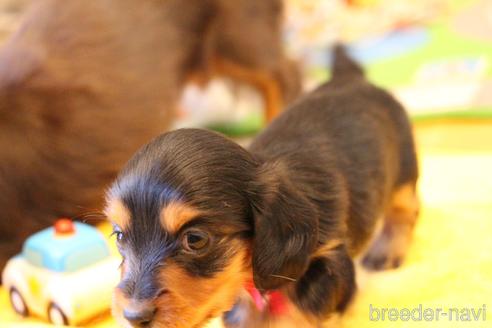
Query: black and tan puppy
x,y
85,83
197,217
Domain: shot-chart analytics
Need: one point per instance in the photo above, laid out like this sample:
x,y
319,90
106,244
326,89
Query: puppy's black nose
x,y
141,317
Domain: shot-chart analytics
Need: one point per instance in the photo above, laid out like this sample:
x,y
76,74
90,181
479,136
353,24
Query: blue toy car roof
x,y
85,246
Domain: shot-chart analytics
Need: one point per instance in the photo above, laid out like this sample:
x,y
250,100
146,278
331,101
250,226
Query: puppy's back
x,y
353,128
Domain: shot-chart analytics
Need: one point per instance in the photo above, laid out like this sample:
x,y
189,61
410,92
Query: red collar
x,y
273,301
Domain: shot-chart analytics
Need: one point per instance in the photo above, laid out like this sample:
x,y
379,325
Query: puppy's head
x,y
196,217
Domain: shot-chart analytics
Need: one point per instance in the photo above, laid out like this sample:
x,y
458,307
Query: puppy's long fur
x,y
197,216
84,83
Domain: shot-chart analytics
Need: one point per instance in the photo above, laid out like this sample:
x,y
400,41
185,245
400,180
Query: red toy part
x,y
64,226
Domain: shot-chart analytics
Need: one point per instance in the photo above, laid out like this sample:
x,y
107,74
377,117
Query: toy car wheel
x,y
18,302
56,315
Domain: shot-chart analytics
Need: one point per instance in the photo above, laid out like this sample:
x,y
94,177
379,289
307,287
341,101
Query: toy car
x,y
65,273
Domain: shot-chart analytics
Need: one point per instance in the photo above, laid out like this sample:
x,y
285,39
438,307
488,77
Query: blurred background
x,y
435,56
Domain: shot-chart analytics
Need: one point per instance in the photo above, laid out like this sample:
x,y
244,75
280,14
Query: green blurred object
x,y
442,69
247,127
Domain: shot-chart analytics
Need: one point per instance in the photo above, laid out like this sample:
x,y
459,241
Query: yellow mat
x,y
450,262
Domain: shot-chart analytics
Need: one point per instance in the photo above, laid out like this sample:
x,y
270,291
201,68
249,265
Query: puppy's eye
x,y
195,240
118,233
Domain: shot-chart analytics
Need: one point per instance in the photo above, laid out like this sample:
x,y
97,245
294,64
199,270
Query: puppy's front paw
x,y
387,251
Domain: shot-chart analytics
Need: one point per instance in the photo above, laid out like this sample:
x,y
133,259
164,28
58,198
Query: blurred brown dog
x,y
84,83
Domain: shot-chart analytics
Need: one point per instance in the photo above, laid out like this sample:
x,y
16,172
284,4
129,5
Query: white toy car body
x,y
65,277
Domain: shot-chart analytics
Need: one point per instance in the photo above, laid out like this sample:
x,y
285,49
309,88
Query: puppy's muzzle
x,y
139,314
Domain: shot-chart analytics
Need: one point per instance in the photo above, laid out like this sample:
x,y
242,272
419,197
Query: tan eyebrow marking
x,y
117,213
175,215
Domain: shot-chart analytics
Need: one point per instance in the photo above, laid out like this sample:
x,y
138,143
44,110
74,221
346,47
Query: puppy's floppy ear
x,y
285,229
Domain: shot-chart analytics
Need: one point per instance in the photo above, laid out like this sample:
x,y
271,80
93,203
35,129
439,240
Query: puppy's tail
x,y
344,67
